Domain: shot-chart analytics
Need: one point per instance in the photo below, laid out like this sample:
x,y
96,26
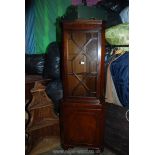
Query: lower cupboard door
x,y
83,127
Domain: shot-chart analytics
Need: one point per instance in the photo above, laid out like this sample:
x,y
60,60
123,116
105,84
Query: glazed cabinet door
x,y
82,60
82,63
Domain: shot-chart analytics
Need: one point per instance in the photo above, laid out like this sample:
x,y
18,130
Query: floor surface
x,y
76,151
51,146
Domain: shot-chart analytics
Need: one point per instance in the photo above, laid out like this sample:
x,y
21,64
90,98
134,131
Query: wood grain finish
x,y
43,122
82,24
83,125
82,108
29,84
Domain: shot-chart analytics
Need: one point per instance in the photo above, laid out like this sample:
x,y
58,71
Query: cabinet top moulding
x,y
82,24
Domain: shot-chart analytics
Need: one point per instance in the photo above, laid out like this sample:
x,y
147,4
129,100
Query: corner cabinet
x,y
83,107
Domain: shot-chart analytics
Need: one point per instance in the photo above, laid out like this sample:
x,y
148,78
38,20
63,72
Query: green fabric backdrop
x,y
43,25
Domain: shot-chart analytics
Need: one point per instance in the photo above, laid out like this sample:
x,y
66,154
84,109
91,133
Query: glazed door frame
x,y
89,26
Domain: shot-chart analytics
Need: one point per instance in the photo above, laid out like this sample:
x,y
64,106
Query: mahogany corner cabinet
x,y
82,110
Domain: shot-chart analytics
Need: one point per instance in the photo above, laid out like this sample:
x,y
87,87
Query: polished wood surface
x,y
43,122
83,125
29,84
82,108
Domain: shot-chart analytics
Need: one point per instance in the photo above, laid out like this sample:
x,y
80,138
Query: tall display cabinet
x,y
82,111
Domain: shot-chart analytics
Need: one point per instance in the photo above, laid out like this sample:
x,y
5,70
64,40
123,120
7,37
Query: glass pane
x,y
76,88
82,63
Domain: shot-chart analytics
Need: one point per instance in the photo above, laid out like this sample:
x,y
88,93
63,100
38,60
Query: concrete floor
x,y
51,146
76,151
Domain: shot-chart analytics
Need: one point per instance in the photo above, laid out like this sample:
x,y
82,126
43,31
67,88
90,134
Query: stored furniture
x,y
29,84
82,111
117,129
43,122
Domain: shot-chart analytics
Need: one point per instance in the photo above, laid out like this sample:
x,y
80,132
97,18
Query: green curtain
x,y
45,13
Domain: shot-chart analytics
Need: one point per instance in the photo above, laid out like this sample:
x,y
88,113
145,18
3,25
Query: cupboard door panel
x,y
83,127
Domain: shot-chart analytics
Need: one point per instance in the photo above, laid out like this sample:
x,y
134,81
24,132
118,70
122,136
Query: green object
x,y
46,26
118,35
85,12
